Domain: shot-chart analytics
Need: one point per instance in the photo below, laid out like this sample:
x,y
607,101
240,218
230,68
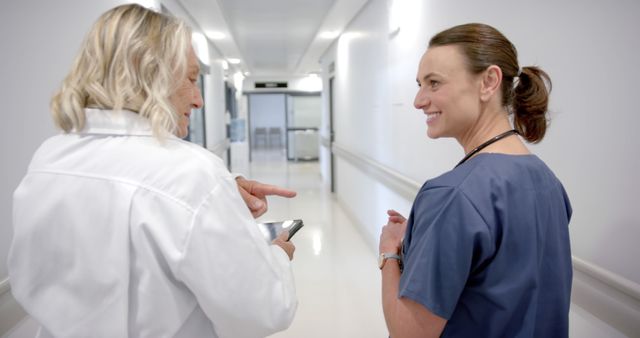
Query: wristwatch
x,y
386,255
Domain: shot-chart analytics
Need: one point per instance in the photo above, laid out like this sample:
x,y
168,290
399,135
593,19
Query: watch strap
x,y
387,255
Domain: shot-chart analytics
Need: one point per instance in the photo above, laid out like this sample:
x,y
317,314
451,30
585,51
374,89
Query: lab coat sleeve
x,y
244,285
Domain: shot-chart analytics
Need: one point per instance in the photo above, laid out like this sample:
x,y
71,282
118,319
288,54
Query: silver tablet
x,y
271,230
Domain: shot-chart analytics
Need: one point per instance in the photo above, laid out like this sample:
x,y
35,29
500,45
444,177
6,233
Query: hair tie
x,y
516,79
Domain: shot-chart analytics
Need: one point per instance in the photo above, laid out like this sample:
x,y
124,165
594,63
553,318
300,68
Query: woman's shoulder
x,y
488,181
489,172
177,168
194,166
198,157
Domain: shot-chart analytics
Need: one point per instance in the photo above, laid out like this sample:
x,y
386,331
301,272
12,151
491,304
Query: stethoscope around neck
x,y
486,144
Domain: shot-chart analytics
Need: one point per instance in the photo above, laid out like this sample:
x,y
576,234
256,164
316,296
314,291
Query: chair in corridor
x,y
260,137
275,137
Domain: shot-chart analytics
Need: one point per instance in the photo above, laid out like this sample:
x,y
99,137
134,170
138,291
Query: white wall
x,y
589,48
39,40
214,101
361,115
303,111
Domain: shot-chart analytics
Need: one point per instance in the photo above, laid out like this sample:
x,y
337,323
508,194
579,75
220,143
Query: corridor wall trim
x,y
11,313
5,286
401,184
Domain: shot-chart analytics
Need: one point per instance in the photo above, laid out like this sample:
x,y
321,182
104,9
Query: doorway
x,y
267,124
332,180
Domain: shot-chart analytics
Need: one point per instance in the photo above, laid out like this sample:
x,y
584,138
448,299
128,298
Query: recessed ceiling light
x,y
215,35
234,61
329,34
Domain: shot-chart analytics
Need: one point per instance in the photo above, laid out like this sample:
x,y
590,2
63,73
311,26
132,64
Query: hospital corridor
x,y
138,136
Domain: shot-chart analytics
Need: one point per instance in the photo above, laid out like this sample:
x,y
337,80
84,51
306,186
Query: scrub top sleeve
x,y
244,286
448,239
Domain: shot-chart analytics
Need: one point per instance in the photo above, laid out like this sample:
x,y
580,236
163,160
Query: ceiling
x,y
273,38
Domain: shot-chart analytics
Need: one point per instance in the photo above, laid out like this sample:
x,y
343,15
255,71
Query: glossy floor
x,y
337,280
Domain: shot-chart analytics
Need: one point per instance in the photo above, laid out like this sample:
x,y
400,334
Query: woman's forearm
x,y
404,317
390,300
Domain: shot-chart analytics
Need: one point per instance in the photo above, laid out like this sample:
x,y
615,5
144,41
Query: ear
x,y
491,82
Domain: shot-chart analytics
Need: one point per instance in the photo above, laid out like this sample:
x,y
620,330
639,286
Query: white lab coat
x,y
118,235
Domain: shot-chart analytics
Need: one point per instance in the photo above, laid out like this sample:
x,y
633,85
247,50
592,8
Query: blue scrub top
x,y
487,248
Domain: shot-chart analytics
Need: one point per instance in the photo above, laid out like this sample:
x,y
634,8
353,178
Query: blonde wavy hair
x,y
131,59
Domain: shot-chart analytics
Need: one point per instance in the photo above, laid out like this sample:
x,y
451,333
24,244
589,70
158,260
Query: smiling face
x,y
449,94
187,96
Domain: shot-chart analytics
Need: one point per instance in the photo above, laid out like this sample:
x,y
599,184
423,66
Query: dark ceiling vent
x,y
271,85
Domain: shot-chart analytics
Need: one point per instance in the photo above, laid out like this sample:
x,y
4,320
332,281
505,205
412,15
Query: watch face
x,y
381,261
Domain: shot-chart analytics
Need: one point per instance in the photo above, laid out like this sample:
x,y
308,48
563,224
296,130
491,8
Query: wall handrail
x,y
402,184
5,286
607,277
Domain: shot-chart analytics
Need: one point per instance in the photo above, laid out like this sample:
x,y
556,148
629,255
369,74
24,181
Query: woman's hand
x,y
255,194
287,246
395,217
393,233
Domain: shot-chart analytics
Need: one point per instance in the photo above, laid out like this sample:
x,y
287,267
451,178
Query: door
x,y
267,123
331,138
304,113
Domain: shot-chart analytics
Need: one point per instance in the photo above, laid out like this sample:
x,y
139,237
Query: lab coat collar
x,y
115,122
